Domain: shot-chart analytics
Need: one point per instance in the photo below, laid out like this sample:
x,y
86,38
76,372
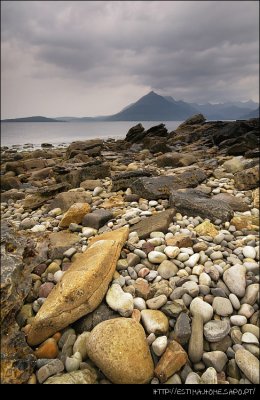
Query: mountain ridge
x,y
155,107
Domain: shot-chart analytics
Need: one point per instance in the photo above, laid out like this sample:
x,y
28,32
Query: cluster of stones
x,y
172,277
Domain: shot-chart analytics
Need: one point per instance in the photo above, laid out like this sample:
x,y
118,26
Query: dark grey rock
x,y
97,218
157,222
192,202
160,187
124,180
52,368
87,323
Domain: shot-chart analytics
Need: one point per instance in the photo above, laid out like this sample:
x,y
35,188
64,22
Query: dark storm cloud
x,y
198,51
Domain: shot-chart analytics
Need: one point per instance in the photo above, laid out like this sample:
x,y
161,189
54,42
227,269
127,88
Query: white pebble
x,y
159,345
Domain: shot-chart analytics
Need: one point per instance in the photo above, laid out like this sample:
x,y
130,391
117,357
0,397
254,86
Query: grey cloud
x,y
191,50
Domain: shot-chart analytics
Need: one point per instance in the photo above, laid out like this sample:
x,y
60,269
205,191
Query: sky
x,y
88,58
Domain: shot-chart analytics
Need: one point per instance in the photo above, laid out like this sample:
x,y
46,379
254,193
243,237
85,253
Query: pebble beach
x,y
135,260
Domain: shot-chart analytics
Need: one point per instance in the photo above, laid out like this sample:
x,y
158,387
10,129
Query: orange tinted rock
x,y
75,214
48,349
136,315
172,360
57,336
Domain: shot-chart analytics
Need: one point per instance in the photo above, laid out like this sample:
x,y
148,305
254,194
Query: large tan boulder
x,y
119,348
81,288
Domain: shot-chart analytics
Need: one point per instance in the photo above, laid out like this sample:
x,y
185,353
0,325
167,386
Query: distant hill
x,y
251,114
153,107
30,119
225,111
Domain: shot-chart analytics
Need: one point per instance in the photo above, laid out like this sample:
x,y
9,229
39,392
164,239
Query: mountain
x,y
251,114
225,111
153,107
30,119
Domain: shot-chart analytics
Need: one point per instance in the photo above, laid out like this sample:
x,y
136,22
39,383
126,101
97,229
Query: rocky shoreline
x,y
135,260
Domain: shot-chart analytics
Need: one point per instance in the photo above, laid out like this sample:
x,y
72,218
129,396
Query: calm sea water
x,y
59,133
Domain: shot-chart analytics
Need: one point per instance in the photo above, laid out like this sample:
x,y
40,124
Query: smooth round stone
x,y
38,228
222,306
249,252
204,279
197,270
193,260
159,345
182,257
253,348
120,301
234,278
157,235
202,308
155,321
172,251
238,320
174,380
193,379
251,294
71,364
156,241
151,338
57,276
139,303
209,377
234,300
80,345
140,253
167,269
192,288
119,348
249,337
156,302
156,257
246,310
248,364
251,328
216,255
216,359
214,331
88,232
219,238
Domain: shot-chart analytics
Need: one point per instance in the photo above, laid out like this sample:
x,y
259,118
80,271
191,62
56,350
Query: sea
x,y
59,134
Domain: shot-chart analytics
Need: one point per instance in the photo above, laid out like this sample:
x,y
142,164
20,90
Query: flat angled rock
x,y
156,223
81,288
192,202
159,187
125,179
